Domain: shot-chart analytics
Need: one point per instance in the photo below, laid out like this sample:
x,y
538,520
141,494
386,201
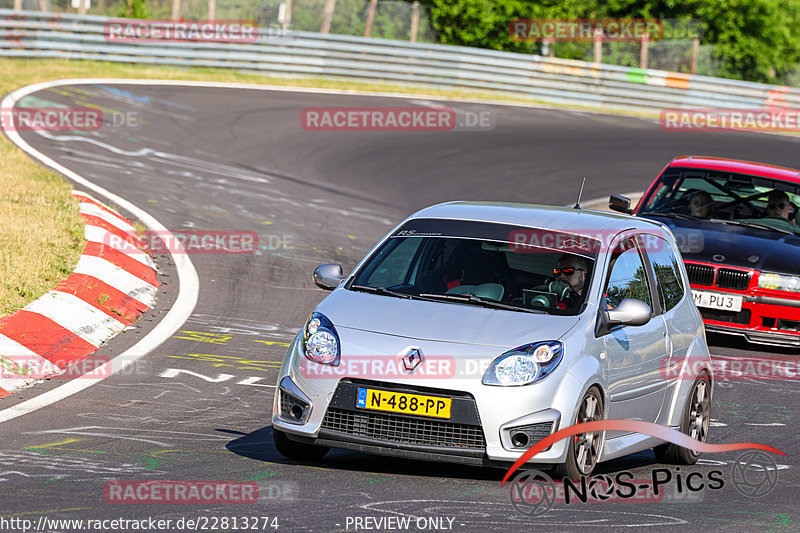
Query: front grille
x,y
404,430
732,279
741,317
700,274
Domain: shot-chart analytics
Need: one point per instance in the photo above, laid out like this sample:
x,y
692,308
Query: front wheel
x,y
695,422
584,448
297,450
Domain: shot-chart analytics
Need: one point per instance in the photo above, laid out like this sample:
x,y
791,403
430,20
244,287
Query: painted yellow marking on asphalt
x,y
229,360
68,441
273,343
201,336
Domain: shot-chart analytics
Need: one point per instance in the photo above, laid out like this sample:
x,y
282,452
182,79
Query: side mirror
x,y
630,312
328,276
620,203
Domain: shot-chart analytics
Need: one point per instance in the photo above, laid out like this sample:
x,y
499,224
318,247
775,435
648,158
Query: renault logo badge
x,y
412,359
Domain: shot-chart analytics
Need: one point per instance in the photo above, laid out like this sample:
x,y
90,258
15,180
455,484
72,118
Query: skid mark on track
x,y
151,436
30,463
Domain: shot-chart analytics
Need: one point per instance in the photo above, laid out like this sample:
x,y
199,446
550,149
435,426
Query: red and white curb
x,y
108,289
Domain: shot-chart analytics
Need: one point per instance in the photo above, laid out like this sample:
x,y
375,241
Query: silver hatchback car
x,y
474,330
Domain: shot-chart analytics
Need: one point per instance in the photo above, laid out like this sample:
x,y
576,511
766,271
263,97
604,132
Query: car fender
x,y
586,372
697,360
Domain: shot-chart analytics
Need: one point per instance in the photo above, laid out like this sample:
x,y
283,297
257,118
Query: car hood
x,y
740,246
441,321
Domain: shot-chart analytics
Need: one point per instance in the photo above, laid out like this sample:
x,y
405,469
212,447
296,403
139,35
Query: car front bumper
x,y
482,438
763,320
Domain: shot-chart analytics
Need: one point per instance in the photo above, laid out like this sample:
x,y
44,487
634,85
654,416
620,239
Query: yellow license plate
x,y
398,402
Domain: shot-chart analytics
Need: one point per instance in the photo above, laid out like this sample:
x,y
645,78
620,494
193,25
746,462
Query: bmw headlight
x,y
320,340
525,364
780,282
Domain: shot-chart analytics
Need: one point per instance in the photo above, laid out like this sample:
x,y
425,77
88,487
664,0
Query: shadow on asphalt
x,y
258,445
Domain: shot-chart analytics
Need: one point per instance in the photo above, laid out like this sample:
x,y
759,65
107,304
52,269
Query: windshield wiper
x,y
469,298
381,290
674,215
753,225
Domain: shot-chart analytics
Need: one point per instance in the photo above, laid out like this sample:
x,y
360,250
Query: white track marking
x,y
99,212
77,316
16,355
103,236
188,289
117,277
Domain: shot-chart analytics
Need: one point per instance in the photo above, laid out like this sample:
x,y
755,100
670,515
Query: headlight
x,y
780,282
525,364
320,340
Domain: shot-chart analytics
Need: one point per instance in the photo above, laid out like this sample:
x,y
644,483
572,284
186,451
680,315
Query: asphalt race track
x,y
198,408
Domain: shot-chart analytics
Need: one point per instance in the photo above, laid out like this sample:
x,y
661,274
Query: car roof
x,y
567,219
737,166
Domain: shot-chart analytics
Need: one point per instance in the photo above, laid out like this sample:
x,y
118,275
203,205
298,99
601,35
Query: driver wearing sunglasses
x,y
570,273
571,269
778,205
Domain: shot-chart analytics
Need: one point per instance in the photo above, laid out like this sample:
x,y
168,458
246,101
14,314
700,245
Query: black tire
x,y
695,421
584,448
297,450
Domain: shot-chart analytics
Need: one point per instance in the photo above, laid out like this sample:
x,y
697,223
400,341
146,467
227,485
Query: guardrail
x,y
558,81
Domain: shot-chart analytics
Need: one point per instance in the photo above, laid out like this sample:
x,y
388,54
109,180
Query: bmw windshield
x,y
723,197
487,264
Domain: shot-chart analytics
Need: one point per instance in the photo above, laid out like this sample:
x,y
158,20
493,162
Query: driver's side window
x,y
626,277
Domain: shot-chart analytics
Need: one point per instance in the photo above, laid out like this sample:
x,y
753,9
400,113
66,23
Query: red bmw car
x,y
734,222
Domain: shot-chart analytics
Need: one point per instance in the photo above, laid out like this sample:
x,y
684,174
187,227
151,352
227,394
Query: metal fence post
x,y
212,9
598,45
645,50
287,15
414,21
373,4
695,54
327,16
17,5
176,9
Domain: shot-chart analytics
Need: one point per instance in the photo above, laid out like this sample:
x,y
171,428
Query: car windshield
x,y
485,264
724,197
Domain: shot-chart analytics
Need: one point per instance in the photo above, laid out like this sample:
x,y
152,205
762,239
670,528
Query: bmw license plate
x,y
717,300
400,402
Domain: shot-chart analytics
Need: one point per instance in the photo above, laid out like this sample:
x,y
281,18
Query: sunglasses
x,y
566,271
776,206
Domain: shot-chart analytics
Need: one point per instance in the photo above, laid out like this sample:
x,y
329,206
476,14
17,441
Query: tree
x,y
757,40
